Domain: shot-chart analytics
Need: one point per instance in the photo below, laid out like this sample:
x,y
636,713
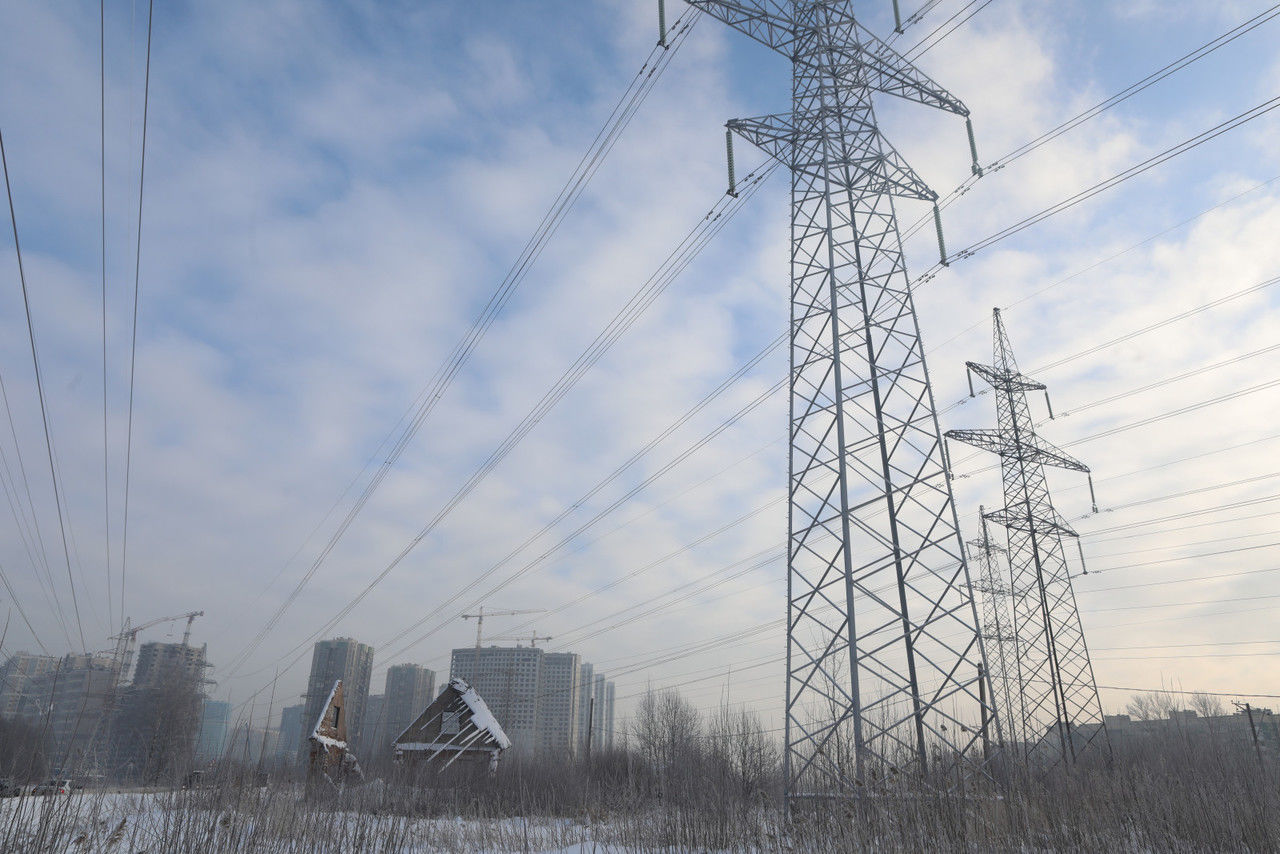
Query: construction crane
x,y
128,637
481,614
533,640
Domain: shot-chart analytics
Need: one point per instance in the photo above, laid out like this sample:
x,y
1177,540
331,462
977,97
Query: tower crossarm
x,y
1004,380
1027,447
890,72
858,53
1019,519
766,21
885,171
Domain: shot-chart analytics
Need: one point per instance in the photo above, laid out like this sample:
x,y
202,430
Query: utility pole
x,y
591,719
1057,694
883,647
1248,710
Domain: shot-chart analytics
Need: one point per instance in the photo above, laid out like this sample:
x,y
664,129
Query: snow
x,y
122,822
324,710
480,714
329,742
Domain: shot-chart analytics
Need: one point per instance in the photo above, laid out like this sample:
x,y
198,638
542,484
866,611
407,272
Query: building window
x,y
451,723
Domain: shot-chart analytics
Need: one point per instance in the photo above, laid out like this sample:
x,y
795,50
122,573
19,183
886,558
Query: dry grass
x,y
684,785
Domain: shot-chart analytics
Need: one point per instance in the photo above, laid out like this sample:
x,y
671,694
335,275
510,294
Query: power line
x,y
44,414
928,43
623,112
102,163
1119,178
133,344
1101,107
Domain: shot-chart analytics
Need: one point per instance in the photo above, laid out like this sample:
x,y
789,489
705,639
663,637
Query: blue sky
x,y
334,190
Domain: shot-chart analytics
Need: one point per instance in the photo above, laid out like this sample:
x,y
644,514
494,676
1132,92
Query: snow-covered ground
x,y
273,821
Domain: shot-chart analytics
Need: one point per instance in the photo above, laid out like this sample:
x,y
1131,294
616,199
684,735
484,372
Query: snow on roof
x,y
324,710
480,714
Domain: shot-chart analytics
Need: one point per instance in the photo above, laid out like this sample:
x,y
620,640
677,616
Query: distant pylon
x,y
997,628
1057,708
884,657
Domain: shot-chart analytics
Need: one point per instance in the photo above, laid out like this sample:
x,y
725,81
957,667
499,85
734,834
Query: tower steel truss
x,y
884,658
1057,711
997,626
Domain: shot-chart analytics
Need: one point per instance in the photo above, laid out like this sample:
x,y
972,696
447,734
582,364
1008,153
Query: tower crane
x,y
482,613
533,640
128,637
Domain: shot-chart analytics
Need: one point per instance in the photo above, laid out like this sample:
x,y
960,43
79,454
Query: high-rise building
x,y
158,662
609,694
586,687
156,721
558,704
509,680
290,735
373,729
339,658
70,701
410,687
595,710
214,721
15,680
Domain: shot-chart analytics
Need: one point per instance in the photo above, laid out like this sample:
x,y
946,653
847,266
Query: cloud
x,y
332,195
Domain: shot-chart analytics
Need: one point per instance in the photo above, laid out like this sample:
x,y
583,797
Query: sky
x,y
332,194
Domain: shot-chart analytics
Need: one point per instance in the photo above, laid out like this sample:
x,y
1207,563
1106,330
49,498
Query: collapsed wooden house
x,y
329,754
456,726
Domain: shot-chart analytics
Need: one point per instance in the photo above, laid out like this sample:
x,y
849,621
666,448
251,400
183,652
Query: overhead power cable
x,y
1101,107
102,174
623,112
44,412
133,340
1102,186
946,28
675,263
569,538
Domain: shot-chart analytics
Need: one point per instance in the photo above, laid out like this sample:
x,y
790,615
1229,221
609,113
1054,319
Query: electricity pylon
x,y
997,628
884,656
1059,713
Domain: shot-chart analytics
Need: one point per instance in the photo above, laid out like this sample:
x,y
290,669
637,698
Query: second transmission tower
x,y
1058,712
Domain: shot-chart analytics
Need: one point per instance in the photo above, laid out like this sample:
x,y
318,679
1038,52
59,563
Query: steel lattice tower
x,y
884,657
997,627
1057,711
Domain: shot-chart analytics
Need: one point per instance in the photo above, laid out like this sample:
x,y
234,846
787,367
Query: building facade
x,y
586,686
290,733
409,688
510,680
70,702
340,658
558,704
19,670
214,722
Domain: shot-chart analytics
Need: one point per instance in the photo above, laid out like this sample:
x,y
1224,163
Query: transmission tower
x,y
884,658
1058,712
997,628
